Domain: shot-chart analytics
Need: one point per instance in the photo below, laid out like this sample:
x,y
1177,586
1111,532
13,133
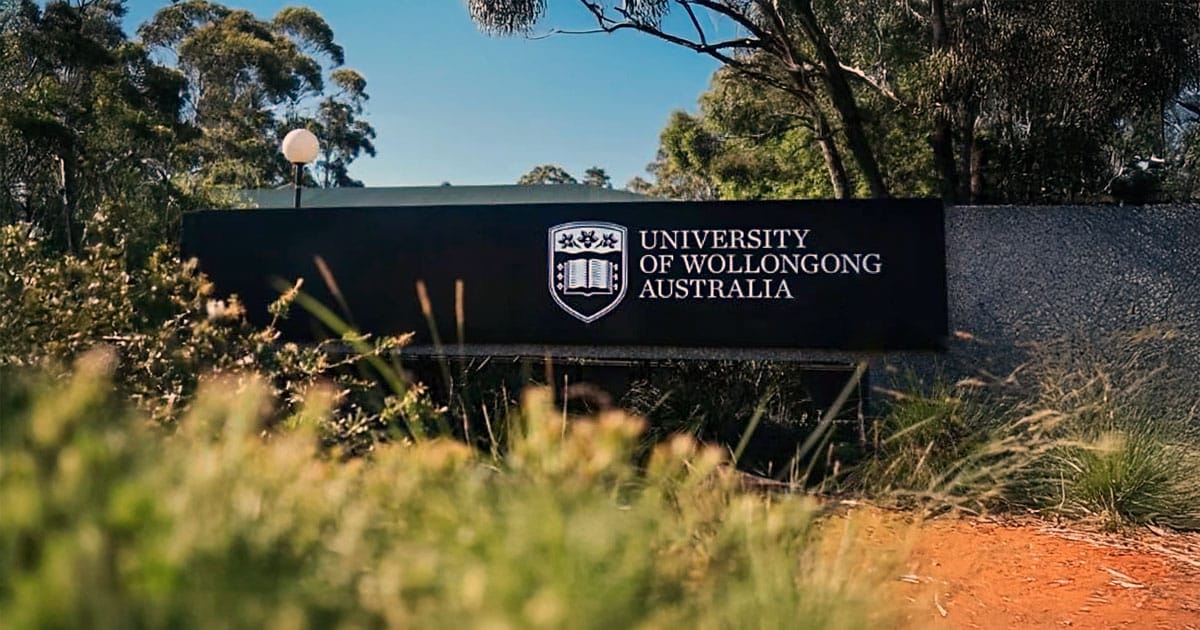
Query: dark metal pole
x,y
299,176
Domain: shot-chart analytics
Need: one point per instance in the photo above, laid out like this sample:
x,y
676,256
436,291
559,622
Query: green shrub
x,y
1131,476
168,327
953,447
110,521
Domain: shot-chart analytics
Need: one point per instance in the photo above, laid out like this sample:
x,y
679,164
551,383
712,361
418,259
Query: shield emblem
x,y
587,268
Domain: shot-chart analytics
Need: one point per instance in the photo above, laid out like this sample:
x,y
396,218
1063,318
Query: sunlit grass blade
x,y
824,430
394,381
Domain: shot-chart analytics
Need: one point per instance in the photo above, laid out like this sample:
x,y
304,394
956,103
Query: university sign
x,y
550,278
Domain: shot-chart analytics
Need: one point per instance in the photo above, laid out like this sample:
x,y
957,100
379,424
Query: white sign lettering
x,y
758,259
588,260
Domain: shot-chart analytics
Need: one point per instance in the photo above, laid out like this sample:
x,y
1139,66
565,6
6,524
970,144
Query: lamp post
x,y
300,147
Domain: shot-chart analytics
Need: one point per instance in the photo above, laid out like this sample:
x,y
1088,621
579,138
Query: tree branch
x,y
794,58
1192,108
692,14
880,87
761,40
738,18
609,25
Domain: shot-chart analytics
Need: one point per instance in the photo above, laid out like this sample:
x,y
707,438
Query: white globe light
x,y
300,146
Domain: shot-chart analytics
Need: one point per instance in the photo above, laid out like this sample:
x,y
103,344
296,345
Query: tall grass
x,y
109,521
762,410
1079,434
1131,476
1128,450
923,439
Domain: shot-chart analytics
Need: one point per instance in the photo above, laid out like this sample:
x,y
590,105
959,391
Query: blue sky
x,y
452,104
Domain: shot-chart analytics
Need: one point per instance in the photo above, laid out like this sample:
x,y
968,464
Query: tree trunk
x,y
966,150
943,137
978,158
943,157
937,20
842,98
832,155
69,196
856,136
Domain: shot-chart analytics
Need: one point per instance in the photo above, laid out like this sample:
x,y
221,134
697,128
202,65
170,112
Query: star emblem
x,y
567,240
587,238
609,240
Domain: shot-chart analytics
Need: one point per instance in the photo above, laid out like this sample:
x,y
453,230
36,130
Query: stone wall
x,y
1070,280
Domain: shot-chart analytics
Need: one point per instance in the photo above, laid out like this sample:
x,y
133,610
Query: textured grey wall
x,y
1087,275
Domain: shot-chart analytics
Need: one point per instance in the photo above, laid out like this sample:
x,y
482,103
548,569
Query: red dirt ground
x,y
973,573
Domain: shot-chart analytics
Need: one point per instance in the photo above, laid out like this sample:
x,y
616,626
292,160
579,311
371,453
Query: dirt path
x,y
965,573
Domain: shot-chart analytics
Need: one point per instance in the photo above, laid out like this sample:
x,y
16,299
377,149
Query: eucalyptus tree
x,y
749,142
547,174
88,123
345,135
682,168
779,43
250,79
1024,100
597,177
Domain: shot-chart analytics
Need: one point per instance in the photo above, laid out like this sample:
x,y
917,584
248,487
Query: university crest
x,y
587,268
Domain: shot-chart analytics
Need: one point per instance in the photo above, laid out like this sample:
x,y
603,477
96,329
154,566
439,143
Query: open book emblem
x,y
587,268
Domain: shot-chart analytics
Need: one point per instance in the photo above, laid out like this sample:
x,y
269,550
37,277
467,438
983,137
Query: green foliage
x,y
1045,101
110,523
681,167
923,439
553,174
88,125
546,174
169,329
1131,475
780,45
505,17
1015,101
251,80
94,131
596,176
346,136
769,408
752,142
758,144
1126,454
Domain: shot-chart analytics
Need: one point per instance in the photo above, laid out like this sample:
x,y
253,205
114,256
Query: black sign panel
x,y
846,275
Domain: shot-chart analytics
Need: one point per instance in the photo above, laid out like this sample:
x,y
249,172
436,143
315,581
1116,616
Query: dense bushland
x,y
168,328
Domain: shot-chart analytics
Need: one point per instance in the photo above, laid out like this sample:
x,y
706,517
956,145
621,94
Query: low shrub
x,y
954,447
1128,452
110,521
168,327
